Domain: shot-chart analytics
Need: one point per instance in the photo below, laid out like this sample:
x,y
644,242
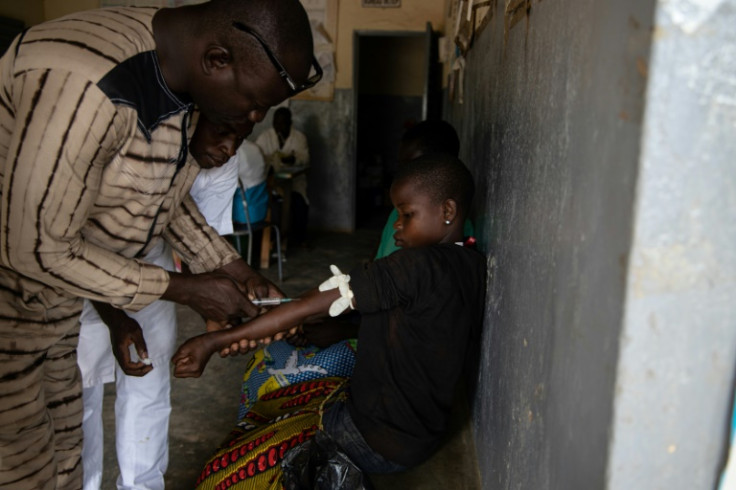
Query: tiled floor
x,y
204,409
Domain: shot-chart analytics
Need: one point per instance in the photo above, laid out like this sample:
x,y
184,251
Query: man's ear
x,y
215,59
449,209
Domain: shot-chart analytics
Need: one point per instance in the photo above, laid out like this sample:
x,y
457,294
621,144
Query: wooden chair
x,y
248,229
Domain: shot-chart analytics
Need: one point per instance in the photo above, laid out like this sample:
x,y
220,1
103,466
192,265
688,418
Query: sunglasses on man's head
x,y
315,70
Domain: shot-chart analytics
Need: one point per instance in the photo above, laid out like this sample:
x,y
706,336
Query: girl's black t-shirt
x,y
421,310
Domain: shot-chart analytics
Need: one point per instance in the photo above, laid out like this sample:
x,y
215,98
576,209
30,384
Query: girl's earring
x,y
447,221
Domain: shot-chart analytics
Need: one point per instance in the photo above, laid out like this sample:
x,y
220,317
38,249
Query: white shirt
x,y
213,191
251,165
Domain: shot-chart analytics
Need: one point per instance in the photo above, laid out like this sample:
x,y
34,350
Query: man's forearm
x,y
196,242
109,314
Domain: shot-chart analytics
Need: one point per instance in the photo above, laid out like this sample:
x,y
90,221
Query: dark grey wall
x,y
551,126
329,128
601,138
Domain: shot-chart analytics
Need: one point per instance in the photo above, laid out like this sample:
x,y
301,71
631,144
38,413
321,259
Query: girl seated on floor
x,y
421,312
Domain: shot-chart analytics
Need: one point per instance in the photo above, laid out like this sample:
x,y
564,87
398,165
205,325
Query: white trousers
x,y
142,404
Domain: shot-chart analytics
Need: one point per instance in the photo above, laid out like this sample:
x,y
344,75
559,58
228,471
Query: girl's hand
x,y
191,357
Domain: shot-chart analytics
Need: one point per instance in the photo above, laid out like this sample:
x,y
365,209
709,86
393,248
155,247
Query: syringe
x,y
271,301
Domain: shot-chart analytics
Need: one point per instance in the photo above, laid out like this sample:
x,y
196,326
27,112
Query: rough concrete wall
x,y
678,351
551,126
329,127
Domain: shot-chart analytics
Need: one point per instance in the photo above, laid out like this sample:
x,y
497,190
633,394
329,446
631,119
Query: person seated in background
x,y
254,190
143,385
285,147
421,313
430,136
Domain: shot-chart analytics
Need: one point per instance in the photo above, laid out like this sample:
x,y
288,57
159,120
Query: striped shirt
x,y
94,167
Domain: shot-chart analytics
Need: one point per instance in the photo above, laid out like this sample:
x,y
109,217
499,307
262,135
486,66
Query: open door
x,y
396,86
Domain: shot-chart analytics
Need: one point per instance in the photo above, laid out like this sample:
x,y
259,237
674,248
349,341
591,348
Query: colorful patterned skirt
x,y
279,421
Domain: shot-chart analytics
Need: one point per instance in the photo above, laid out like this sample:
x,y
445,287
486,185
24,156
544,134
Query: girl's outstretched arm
x,y
192,356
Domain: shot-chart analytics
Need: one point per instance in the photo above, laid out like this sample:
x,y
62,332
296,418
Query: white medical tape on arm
x,y
339,281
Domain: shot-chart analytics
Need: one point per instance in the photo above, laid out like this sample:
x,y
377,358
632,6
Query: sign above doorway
x,y
381,3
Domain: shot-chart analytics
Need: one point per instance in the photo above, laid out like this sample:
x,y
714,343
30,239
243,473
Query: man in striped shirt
x,y
96,111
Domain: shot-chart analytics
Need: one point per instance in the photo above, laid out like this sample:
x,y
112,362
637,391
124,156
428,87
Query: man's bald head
x,y
282,24
235,58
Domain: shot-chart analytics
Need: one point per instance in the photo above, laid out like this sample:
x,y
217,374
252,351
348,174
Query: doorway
x,y
395,87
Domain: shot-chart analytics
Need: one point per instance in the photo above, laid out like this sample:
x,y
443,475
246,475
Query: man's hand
x,y
257,286
124,332
222,294
214,295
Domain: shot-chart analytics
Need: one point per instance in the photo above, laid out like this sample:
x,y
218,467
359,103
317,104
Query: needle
x,y
272,301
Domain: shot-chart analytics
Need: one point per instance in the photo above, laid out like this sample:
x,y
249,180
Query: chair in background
x,y
242,226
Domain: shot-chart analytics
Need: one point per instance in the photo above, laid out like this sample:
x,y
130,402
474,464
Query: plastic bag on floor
x,y
319,464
